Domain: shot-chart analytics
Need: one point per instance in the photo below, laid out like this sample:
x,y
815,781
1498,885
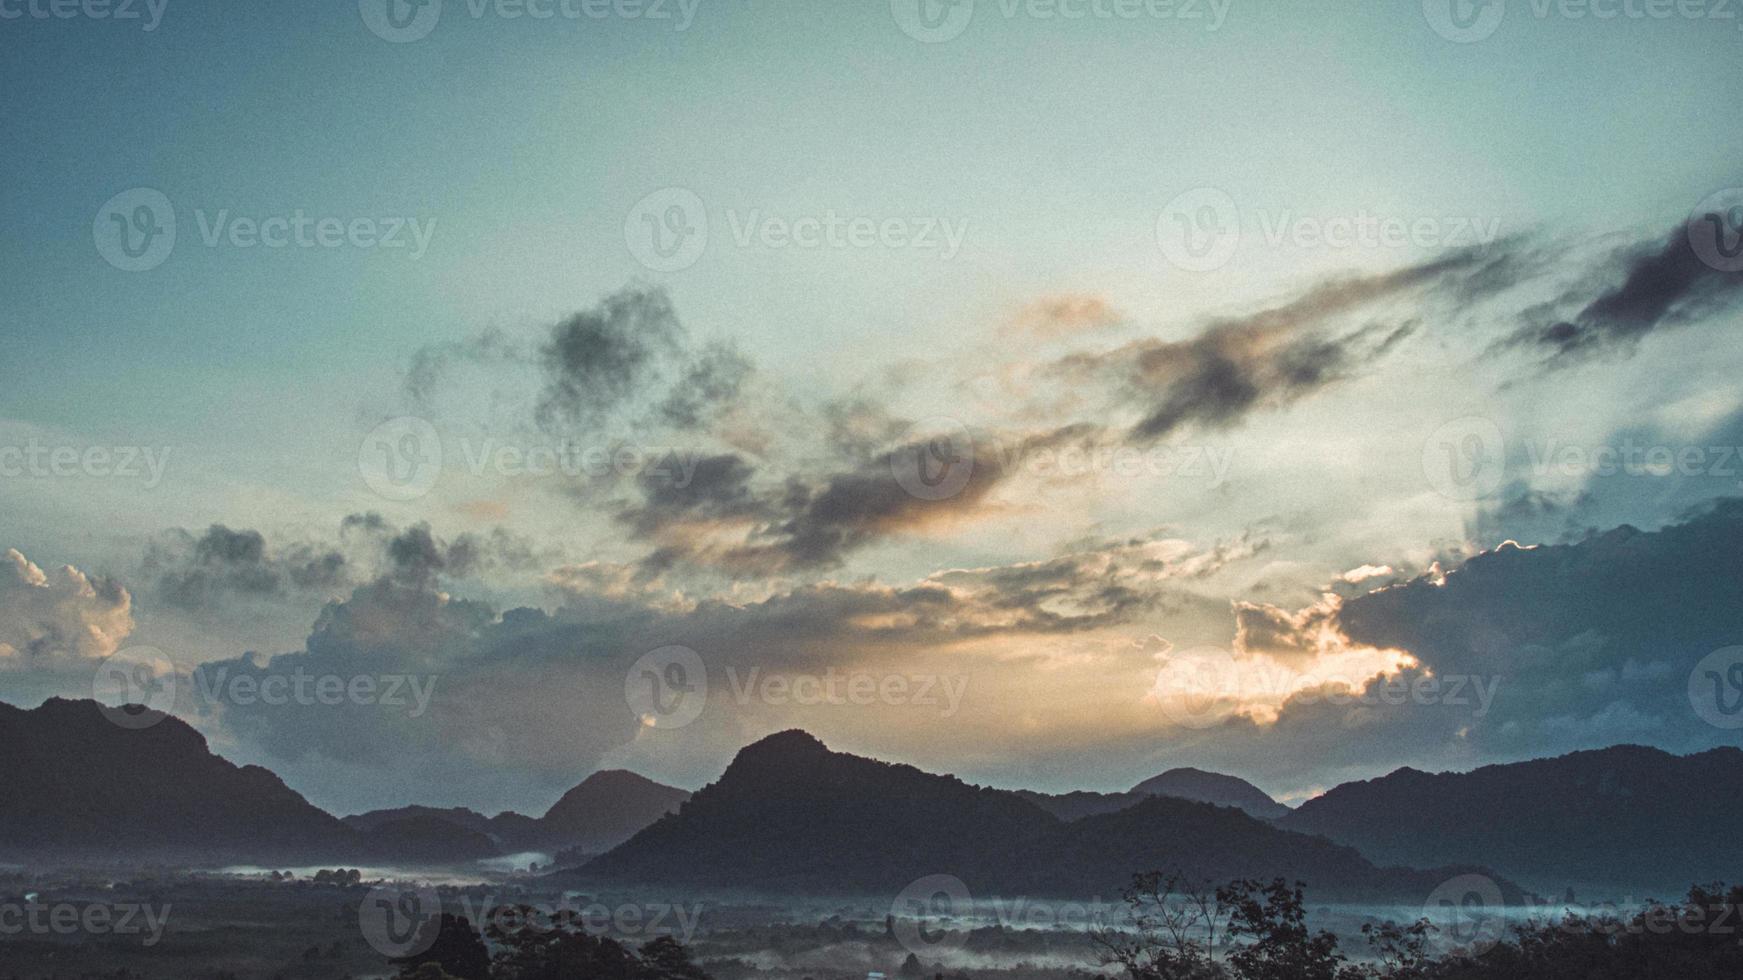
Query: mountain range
x,y
791,815
604,810
76,786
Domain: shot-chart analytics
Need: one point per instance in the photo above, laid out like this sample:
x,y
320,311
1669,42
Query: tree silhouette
x,y
456,949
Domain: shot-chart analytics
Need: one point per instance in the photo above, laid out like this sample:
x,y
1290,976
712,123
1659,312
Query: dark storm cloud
x,y
1574,646
1651,596
1267,359
1647,287
1584,645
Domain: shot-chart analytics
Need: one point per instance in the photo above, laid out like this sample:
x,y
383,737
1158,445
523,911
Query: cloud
x,y
603,361
1644,288
196,572
1064,315
858,426
1266,359
712,378
1576,646
626,363
223,565
1295,638
1100,584
726,517
1665,596
416,556
432,364
46,619
717,491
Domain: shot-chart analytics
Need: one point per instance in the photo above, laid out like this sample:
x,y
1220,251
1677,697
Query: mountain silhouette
x,y
508,831
1078,804
1626,816
1181,784
607,808
1213,787
599,813
458,816
789,814
428,839
77,785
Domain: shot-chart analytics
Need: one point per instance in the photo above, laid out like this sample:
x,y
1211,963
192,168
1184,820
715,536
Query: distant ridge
x,y
1213,787
597,814
1181,784
1626,816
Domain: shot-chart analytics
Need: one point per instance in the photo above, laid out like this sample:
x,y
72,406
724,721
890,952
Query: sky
x,y
438,402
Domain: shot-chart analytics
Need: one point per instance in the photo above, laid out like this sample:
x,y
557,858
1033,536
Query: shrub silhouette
x,y
1248,930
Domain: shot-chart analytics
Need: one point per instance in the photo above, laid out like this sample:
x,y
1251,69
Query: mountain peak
x,y
613,779
608,807
1213,787
791,740
789,746
74,777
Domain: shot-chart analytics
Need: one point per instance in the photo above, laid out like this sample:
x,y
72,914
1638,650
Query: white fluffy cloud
x,y
46,617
